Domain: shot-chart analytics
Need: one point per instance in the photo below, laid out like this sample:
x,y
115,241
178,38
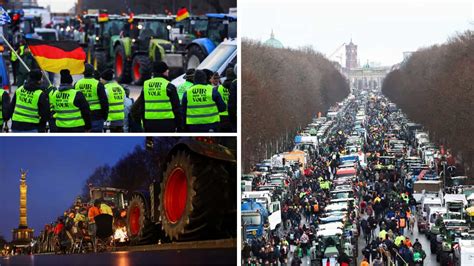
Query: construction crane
x,y
335,52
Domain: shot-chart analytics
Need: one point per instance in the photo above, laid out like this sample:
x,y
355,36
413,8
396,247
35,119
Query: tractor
x,y
148,41
100,37
219,27
194,199
116,198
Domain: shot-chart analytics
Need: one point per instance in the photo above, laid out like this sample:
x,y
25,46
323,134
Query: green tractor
x,y
100,39
147,41
194,199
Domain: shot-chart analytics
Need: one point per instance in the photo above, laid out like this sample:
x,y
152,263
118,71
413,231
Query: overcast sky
x,y
382,29
58,5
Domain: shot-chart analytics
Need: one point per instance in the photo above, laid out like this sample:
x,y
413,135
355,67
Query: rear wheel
x,y
141,69
194,56
121,66
194,197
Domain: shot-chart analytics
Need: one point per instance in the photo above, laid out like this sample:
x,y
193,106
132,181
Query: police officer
x,y
94,91
29,109
116,97
224,90
201,105
4,103
189,76
71,110
158,104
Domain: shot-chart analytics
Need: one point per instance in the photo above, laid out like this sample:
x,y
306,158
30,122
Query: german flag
x,y
182,14
103,17
52,56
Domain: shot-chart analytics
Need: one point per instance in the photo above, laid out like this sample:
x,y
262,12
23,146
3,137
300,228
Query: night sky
x,y
57,169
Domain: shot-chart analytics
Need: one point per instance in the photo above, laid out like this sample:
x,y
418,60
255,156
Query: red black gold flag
x,y
52,56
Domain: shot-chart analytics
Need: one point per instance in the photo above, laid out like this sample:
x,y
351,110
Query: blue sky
x,y
57,168
383,29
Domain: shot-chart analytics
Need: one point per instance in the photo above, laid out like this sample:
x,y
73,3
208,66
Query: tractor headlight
x,y
168,27
133,40
97,38
180,41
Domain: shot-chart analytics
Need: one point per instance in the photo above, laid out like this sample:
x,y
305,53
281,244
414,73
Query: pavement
x,y
221,252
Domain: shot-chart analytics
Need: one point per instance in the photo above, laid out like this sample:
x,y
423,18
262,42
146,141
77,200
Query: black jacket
x,y
43,110
161,125
5,104
81,103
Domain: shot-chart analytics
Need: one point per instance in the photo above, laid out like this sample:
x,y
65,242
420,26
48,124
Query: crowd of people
x,y
75,231
98,103
383,214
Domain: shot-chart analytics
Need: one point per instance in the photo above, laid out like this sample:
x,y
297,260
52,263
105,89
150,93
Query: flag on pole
x,y
182,14
4,17
103,17
53,56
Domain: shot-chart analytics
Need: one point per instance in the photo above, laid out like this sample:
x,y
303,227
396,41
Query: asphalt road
x,y
226,256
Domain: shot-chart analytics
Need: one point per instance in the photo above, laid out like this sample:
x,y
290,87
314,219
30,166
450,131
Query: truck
x,y
193,199
464,252
272,206
297,156
254,219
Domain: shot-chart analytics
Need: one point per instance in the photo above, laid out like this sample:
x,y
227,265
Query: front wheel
x,y
121,66
194,197
194,56
141,69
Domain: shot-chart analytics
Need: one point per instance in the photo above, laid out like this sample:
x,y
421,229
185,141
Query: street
x,y
226,256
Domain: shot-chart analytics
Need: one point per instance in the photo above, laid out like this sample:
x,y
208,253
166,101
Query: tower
x,y
351,55
22,235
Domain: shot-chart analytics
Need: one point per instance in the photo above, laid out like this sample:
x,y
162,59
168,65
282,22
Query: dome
x,y
272,42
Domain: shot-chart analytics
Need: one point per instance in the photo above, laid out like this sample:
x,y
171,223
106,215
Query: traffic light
x,y
16,17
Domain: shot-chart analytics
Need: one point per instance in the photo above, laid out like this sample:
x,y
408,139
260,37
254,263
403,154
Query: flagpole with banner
x,y
5,19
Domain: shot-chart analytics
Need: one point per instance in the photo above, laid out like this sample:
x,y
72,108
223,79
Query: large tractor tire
x,y
194,57
194,197
139,227
100,61
121,66
141,69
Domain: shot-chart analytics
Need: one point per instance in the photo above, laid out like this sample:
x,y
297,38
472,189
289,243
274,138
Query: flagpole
x,y
13,51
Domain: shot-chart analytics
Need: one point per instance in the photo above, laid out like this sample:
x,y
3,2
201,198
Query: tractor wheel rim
x,y
136,71
118,64
134,220
176,193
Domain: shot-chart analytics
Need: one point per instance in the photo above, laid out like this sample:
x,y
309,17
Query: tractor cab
x,y
114,197
149,28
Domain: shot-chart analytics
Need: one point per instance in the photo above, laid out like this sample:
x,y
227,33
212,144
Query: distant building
x,y
272,42
351,55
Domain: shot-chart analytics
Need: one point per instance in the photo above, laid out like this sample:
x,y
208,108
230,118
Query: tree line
x,y
135,170
435,87
282,90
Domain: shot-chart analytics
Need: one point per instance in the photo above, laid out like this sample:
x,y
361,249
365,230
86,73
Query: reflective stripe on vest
x,y
88,87
224,92
67,115
184,88
26,106
201,108
116,97
157,102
